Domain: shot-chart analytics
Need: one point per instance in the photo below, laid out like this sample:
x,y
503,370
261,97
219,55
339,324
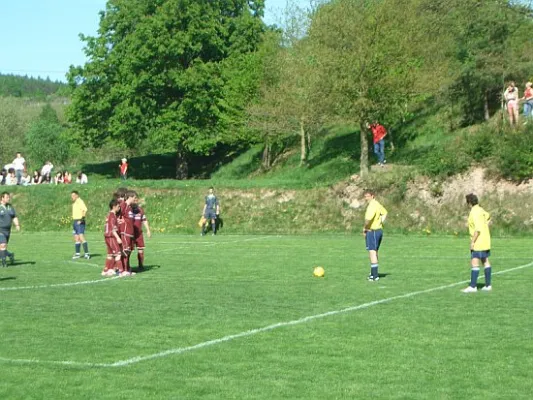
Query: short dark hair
x,y
369,191
4,194
121,192
472,199
113,203
75,192
131,193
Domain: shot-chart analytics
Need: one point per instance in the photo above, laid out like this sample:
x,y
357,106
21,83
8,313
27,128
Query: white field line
x,y
251,332
56,285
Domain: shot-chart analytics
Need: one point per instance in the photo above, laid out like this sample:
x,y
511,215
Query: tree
x,y
165,72
374,56
492,44
290,89
47,140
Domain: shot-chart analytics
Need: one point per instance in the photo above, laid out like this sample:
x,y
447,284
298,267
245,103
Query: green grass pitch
x,y
241,317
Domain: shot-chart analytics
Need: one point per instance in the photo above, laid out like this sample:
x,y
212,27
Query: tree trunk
x,y
486,105
182,167
363,164
266,161
303,144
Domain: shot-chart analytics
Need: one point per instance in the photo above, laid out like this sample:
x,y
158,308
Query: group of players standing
x,y
124,232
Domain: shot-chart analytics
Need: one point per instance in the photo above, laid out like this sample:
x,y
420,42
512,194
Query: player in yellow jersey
x,y
478,227
79,211
375,215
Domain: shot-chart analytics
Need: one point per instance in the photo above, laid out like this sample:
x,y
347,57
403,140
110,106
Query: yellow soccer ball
x,y
319,272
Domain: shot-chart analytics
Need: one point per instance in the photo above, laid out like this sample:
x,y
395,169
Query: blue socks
x,y
473,277
77,246
374,270
488,273
85,247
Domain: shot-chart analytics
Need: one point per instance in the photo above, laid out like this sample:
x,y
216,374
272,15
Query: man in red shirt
x,y
139,219
124,169
112,241
378,133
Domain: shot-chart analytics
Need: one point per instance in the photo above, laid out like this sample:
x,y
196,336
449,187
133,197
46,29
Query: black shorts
x,y
4,237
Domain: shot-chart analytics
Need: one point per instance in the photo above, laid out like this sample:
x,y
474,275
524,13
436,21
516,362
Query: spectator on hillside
x,y
67,177
511,97
58,178
36,178
9,166
46,172
528,102
378,135
11,178
82,178
124,169
19,164
3,176
26,179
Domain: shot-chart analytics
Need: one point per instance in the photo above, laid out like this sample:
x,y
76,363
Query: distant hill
x,y
24,86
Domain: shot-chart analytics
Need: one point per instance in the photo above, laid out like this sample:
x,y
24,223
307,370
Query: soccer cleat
x,y
486,288
87,256
75,256
469,289
372,279
12,258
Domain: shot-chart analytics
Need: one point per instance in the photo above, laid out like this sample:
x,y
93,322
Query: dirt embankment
x,y
428,205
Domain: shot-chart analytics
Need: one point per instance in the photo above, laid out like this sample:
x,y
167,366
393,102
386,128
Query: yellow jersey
x,y
79,209
478,221
375,213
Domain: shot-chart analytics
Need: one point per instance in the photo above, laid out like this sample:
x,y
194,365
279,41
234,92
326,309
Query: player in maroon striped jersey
x,y
139,220
112,241
126,233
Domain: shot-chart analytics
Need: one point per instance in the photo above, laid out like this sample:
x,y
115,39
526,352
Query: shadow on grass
x,y
8,278
21,262
343,145
146,268
163,166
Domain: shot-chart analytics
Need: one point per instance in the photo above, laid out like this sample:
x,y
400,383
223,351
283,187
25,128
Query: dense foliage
x,y
18,86
174,75
204,80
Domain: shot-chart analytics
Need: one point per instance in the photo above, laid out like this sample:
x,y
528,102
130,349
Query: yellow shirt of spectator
x,y
375,213
478,220
79,209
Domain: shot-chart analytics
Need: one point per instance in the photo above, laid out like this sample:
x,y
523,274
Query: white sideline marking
x,y
303,320
251,332
55,285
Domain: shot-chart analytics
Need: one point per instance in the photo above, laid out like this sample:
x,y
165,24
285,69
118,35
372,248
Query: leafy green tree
x,y
375,56
174,73
492,45
47,140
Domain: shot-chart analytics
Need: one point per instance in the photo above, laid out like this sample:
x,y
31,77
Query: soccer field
x,y
241,317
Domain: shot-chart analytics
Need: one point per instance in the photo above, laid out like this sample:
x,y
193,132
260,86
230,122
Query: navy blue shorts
x,y
373,239
78,229
481,254
209,215
4,237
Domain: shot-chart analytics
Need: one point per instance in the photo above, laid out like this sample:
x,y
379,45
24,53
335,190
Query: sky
x,y
41,37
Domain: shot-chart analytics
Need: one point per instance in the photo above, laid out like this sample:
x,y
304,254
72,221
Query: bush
x,y
515,156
